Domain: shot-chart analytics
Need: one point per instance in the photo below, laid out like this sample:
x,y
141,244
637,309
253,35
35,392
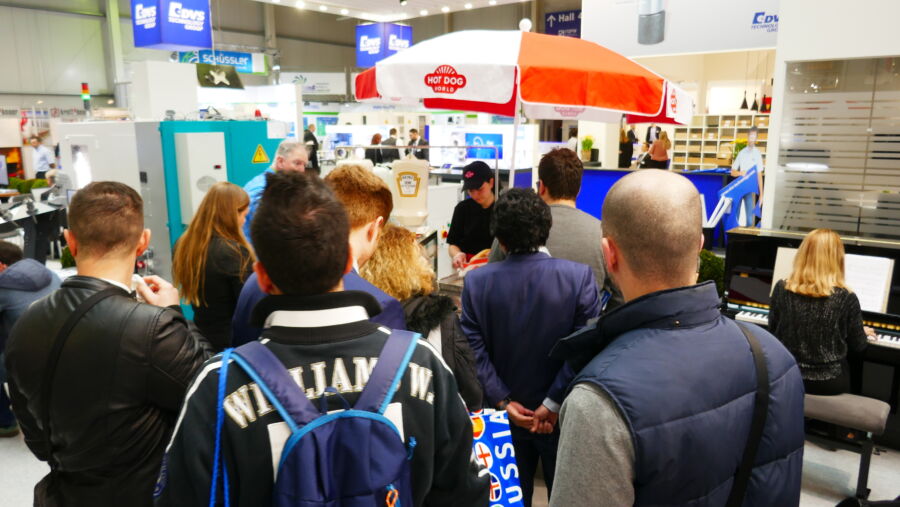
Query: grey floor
x,y
828,476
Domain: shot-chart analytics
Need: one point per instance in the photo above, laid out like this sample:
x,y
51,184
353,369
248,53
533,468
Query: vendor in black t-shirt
x,y
470,229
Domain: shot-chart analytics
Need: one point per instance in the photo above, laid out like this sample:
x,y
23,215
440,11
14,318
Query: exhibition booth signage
x,y
564,23
244,63
172,25
377,41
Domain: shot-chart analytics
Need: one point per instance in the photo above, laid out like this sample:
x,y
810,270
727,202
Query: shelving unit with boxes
x,y
698,145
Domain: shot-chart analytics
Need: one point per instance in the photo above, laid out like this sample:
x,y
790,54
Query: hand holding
x,y
158,292
459,260
544,420
519,415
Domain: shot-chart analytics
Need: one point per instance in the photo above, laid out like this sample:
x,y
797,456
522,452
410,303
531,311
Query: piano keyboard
x,y
753,317
885,340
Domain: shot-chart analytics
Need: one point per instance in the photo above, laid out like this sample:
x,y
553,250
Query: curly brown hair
x,y
398,267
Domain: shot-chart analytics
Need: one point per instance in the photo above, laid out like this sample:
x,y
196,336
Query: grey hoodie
x,y
21,284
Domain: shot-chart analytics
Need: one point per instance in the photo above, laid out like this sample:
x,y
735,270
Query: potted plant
x,y
586,144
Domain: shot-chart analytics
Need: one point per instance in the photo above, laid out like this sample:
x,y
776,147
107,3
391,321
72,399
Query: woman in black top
x,y
398,268
470,227
626,150
817,317
212,260
374,154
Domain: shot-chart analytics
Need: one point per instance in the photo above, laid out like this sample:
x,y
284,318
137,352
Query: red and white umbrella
x,y
548,76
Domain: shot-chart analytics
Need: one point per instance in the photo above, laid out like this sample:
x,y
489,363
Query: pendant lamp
x,y
746,63
755,106
744,103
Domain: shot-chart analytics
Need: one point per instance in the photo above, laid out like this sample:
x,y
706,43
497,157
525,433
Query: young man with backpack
x,y
408,439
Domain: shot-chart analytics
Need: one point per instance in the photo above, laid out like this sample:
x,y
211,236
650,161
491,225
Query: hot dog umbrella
x,y
542,76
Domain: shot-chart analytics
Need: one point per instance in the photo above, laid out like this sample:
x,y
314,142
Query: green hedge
x,y
25,186
712,267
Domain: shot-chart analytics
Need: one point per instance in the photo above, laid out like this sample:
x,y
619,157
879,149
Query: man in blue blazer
x,y
513,313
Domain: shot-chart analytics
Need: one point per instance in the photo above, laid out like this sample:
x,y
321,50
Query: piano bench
x,y
865,415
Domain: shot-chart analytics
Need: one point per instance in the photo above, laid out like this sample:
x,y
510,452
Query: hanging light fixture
x,y
755,106
762,103
746,63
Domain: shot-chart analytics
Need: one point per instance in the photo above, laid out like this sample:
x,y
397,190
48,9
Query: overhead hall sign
x,y
172,25
565,23
377,41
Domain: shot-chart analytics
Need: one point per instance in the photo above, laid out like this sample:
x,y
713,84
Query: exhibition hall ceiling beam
x,y
389,10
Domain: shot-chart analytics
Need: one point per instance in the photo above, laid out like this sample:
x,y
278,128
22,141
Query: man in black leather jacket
x,y
122,373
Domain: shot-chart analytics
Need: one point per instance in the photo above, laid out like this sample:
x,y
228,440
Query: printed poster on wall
x,y
666,27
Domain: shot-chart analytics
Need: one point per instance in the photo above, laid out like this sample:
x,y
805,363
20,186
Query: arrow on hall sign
x,y
550,19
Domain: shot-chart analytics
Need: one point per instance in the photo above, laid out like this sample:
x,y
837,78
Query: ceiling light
x,y
277,1
423,12
445,9
345,12
468,6
300,4
492,2
323,8
403,2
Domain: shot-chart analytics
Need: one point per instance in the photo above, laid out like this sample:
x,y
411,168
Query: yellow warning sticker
x,y
260,156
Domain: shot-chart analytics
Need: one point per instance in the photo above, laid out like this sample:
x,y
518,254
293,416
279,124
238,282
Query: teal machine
x,y
199,153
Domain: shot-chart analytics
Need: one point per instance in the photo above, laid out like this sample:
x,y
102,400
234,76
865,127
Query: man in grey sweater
x,y
574,235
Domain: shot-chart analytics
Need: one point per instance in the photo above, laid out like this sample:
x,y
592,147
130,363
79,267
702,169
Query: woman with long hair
x,y
659,151
817,317
212,259
375,154
398,268
626,149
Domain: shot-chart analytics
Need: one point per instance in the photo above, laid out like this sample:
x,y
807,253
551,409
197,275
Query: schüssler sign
x,y
245,63
173,25
377,41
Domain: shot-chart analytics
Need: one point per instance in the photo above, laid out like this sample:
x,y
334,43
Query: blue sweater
x,y
514,312
244,331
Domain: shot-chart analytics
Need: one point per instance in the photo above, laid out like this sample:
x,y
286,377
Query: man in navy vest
x,y
661,409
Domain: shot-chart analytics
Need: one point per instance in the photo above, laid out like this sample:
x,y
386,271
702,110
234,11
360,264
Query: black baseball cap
x,y
476,174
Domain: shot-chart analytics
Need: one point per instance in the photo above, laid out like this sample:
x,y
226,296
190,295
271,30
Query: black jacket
x,y
375,155
119,383
325,340
425,314
226,271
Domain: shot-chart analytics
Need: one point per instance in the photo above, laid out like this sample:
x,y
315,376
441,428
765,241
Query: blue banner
x,y
377,41
172,25
245,63
565,23
736,190
492,443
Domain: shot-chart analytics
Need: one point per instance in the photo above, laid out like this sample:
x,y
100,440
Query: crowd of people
x,y
651,403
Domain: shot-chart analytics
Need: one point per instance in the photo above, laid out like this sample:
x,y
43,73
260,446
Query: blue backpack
x,y
355,457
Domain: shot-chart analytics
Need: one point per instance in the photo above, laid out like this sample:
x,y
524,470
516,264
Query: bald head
x,y
654,218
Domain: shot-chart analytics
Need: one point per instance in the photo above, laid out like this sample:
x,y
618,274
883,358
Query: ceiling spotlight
x,y
468,6
323,8
445,9
423,12
345,12
492,2
277,1
300,4
403,2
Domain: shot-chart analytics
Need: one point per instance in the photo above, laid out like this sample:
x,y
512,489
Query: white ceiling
x,y
389,10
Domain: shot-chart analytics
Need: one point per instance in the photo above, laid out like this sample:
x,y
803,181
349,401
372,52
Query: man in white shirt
x,y
573,140
743,162
43,158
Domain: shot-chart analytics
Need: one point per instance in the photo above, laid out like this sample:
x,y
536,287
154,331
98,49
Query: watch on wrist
x,y
503,403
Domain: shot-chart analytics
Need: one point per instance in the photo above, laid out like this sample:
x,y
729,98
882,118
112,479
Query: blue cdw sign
x,y
377,41
565,23
245,63
173,25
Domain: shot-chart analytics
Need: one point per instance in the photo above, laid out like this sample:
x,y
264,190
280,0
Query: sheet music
x,y
870,278
867,276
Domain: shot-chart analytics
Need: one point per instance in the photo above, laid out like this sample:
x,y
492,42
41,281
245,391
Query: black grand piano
x,y
749,269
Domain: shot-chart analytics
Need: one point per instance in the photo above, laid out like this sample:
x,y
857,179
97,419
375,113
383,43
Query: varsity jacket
x,y
323,341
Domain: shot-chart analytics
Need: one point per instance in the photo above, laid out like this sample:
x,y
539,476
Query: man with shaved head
x,y
661,409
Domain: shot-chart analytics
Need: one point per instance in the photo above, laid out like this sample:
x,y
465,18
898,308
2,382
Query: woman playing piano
x,y
817,317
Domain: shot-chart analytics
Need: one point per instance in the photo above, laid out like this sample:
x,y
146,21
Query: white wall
x,y
824,30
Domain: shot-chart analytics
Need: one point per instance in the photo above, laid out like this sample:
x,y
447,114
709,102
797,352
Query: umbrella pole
x,y
512,159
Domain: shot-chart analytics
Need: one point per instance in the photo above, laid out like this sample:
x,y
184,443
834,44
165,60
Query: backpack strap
x,y
760,411
273,380
388,371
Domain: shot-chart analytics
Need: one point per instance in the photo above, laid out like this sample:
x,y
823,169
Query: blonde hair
x,y
398,267
819,265
664,137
